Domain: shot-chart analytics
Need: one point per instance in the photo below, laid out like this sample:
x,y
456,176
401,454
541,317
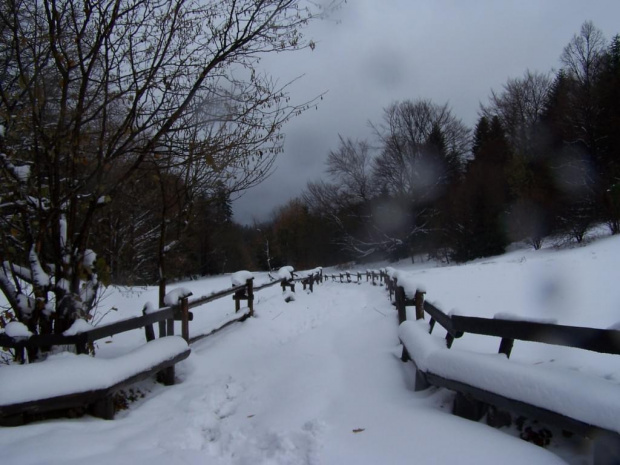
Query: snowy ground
x,y
318,380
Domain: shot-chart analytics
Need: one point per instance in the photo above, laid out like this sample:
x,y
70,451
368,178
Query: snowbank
x,y
68,373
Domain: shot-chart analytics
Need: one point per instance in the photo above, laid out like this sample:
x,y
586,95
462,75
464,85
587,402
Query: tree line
x,y
542,160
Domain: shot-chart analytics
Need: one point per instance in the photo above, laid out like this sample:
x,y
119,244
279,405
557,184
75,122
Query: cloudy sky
x,y
376,52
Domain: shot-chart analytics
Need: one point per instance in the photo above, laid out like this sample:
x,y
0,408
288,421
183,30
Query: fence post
x,y
419,305
185,318
149,332
505,347
238,302
170,327
400,304
250,291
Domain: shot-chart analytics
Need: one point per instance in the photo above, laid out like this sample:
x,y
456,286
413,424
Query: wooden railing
x,y
165,316
100,401
473,402
345,277
593,339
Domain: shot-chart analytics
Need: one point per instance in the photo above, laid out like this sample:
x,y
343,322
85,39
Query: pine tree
x,y
481,201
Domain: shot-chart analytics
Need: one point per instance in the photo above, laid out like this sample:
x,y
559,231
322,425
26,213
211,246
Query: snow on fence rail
x,y
99,396
575,402
564,398
166,315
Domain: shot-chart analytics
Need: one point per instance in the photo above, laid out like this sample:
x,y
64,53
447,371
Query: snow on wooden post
x,y
185,318
419,304
250,293
400,304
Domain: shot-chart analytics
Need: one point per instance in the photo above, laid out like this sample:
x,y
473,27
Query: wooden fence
x,y
473,402
101,400
166,316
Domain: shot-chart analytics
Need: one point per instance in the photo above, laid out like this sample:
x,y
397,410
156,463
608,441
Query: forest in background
x,y
543,160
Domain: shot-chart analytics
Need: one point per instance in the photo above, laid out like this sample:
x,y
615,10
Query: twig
x,y
378,311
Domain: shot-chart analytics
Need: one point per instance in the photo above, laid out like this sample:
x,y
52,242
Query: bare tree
x,y
519,107
405,165
584,62
90,91
583,57
351,167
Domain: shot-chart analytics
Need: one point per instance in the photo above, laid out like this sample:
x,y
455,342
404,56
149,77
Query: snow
x,y
173,296
404,279
286,272
63,284
318,380
240,277
149,307
556,389
67,373
288,387
79,326
89,258
62,223
22,173
15,329
419,343
26,304
313,271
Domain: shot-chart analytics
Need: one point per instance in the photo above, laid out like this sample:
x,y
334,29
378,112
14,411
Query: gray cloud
x,y
374,53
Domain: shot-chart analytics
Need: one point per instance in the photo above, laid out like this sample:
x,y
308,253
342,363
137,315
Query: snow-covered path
x,y
314,381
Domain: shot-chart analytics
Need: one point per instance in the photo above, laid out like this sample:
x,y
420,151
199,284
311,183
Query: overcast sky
x,y
376,52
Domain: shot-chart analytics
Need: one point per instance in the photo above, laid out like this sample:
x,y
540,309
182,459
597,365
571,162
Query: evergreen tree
x,y
481,201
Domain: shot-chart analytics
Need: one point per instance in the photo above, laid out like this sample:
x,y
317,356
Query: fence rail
x,y
164,315
472,401
100,401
